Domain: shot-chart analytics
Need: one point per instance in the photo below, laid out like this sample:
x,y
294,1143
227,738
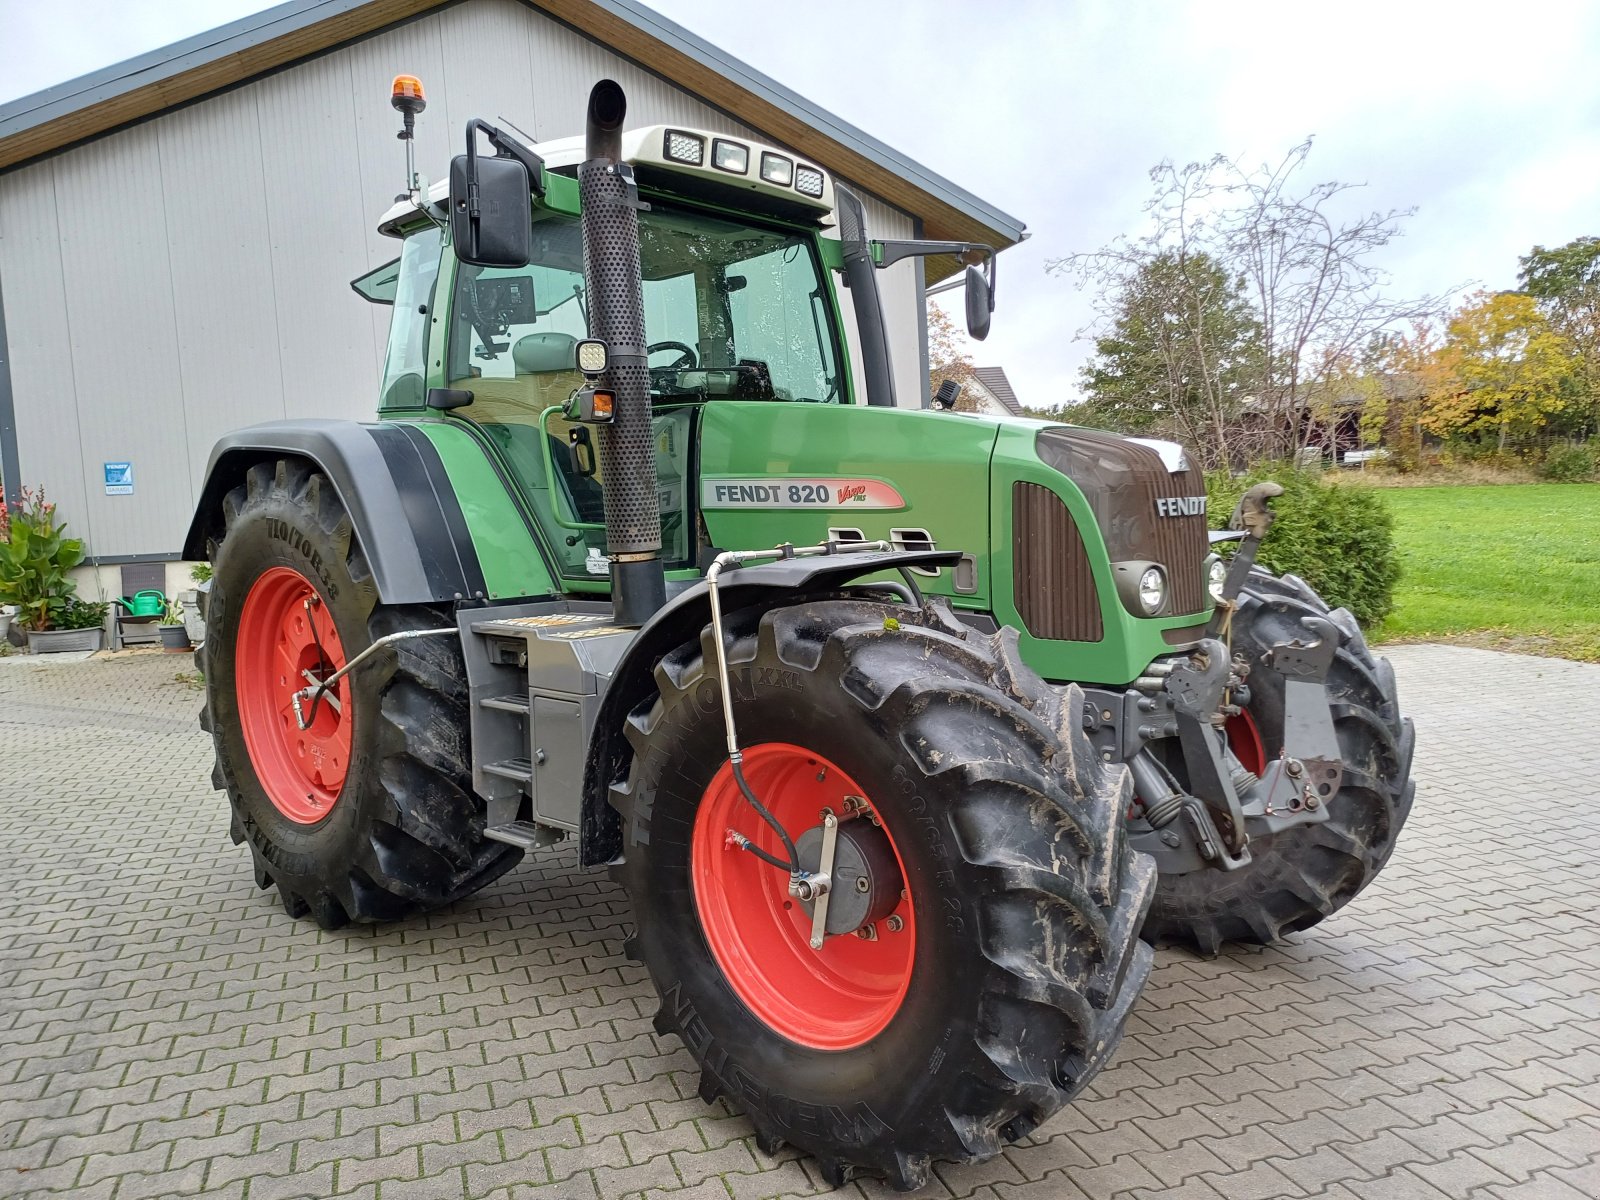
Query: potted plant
x,y
174,637
35,556
80,625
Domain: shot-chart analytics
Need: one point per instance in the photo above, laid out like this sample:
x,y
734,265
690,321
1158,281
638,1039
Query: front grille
x,y
1123,481
1054,588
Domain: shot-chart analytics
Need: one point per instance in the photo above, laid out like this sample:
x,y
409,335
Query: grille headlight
x,y
775,168
808,181
730,156
1216,576
1152,590
686,148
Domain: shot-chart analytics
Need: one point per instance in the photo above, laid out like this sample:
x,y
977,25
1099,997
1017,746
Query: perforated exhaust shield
x,y
616,314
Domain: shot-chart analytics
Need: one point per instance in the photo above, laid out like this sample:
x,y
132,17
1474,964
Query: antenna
x,y
406,95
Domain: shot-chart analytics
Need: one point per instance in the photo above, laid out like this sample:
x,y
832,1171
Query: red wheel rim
x,y
302,771
833,999
1244,739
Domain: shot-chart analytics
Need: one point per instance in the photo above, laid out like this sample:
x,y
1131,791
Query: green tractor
x,y
906,731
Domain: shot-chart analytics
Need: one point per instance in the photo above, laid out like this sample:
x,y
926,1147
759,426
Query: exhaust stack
x,y
609,199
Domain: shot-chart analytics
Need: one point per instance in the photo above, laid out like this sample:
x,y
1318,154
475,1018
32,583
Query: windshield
x,y
731,311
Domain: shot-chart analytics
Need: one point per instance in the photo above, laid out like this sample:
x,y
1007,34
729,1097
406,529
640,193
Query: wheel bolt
x,y
867,933
895,924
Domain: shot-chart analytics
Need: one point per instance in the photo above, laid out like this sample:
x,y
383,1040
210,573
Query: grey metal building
x,y
177,232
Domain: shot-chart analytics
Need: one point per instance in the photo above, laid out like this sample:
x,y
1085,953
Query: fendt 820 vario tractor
x,y
901,728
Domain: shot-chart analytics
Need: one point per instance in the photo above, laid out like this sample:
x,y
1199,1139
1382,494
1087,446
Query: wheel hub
x,y
846,991
865,883
285,640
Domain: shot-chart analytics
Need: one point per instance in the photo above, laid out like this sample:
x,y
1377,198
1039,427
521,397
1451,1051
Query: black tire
x,y
1010,828
406,832
1298,877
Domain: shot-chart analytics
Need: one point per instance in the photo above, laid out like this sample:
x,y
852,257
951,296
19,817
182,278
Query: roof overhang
x,y
278,37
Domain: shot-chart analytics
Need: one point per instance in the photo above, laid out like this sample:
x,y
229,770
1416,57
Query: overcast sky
x,y
1485,117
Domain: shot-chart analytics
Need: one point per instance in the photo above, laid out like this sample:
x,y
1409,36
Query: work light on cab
x,y
775,168
684,147
730,156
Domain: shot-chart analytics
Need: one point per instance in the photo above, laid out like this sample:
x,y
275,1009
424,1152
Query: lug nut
x,y
895,924
867,933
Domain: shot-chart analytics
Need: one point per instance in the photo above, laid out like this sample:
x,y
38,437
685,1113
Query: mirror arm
x,y
505,146
891,252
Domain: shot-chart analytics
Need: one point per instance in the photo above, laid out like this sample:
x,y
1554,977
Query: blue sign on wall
x,y
119,479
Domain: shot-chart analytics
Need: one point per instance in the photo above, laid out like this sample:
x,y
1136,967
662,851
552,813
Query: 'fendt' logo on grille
x,y
1181,506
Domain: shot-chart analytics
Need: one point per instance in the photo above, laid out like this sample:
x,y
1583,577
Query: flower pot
x,y
5,625
174,638
60,641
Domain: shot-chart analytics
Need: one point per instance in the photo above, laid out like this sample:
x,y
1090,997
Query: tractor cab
x,y
733,266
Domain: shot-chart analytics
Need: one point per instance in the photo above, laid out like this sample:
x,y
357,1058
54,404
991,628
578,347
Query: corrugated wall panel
x,y
117,271
318,228
487,70
222,282
41,352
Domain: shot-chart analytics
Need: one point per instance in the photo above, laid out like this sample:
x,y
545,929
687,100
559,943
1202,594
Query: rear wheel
x,y
982,953
1298,877
368,814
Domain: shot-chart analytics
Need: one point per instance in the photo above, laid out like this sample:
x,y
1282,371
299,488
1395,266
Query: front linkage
x,y
1198,804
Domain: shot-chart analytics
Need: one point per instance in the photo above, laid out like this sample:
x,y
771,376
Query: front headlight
x,y
1152,590
1216,576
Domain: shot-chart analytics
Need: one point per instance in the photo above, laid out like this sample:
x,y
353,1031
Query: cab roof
x,y
771,179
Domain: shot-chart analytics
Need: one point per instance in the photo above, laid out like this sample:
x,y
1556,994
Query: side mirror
x,y
491,209
980,303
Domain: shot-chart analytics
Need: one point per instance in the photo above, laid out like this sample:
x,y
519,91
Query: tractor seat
x,y
546,375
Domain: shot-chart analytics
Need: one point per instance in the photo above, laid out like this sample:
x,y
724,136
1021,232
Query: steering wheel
x,y
687,359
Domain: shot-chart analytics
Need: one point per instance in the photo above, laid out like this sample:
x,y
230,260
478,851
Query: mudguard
x,y
391,481
769,585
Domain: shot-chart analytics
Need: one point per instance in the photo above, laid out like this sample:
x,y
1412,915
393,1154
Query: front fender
x,y
770,585
391,481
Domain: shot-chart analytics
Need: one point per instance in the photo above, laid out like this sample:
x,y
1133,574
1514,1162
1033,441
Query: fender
x,y
391,481
770,585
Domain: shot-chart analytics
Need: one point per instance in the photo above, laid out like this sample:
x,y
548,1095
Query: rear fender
x,y
391,481
771,585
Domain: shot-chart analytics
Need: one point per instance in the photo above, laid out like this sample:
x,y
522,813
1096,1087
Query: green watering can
x,y
149,603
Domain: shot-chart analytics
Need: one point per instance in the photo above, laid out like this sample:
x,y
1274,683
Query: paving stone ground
x,y
165,1030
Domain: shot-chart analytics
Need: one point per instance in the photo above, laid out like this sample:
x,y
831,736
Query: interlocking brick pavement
x,y
166,1030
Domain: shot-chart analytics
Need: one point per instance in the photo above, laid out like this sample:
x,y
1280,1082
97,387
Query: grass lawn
x,y
1514,567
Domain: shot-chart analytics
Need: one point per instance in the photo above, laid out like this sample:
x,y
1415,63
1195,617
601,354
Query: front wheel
x,y
980,953
367,814
1301,875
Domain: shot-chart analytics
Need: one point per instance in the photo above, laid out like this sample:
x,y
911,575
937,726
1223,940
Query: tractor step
x,y
518,770
523,834
516,702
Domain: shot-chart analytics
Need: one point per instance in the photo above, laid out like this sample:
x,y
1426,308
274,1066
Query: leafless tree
x,y
1314,294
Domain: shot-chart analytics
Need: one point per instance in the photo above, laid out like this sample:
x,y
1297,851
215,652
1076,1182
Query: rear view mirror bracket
x,y
979,281
491,210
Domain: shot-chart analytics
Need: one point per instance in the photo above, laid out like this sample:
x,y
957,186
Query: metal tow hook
x,y
817,886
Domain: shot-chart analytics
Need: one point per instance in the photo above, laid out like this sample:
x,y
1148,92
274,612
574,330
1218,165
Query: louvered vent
x,y
1054,587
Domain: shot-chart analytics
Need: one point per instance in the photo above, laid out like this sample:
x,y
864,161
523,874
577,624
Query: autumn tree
x,y
1565,281
948,358
1509,371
